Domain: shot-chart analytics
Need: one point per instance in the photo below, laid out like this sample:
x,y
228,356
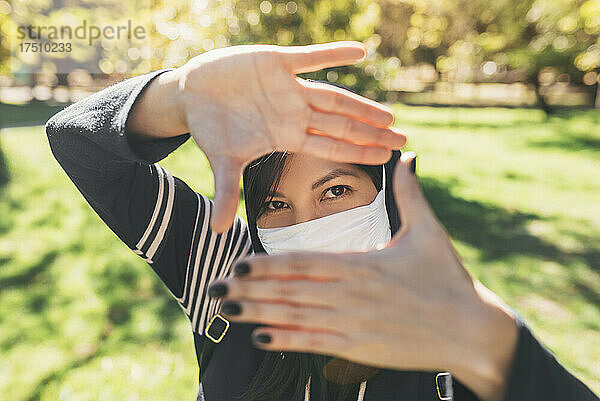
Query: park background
x,y
499,99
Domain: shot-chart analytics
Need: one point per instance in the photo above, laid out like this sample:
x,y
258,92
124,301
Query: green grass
x,y
83,318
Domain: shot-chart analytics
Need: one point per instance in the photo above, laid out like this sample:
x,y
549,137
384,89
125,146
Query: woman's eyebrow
x,y
338,172
275,194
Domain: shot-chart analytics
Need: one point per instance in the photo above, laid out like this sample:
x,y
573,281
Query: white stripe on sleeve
x,y
166,216
157,207
211,256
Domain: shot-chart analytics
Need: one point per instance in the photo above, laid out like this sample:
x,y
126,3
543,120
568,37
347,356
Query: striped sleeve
x,y
210,257
157,215
192,256
155,231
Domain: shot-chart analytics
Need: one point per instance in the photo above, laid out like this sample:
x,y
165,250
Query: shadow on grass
x,y
4,174
589,114
573,137
57,375
498,233
28,275
120,291
570,142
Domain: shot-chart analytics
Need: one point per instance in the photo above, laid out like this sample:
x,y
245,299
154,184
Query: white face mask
x,y
359,229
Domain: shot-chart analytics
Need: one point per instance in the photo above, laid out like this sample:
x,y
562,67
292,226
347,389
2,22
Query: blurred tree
x,y
4,50
540,42
535,41
556,43
589,59
203,25
53,22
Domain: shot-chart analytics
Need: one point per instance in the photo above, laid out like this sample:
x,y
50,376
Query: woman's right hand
x,y
242,102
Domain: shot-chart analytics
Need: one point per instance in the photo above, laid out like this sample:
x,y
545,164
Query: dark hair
x,y
286,373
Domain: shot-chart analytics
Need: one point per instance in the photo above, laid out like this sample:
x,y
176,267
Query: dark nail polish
x,y
413,165
231,308
262,338
217,290
241,269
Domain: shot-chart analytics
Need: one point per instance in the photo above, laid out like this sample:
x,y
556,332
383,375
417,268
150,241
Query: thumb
x,y
411,203
227,174
299,59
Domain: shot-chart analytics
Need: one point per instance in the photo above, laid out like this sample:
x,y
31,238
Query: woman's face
x,y
311,188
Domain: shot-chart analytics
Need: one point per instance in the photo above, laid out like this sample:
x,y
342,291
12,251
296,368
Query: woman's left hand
x,y
409,306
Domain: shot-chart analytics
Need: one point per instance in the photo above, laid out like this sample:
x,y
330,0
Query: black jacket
x,y
165,222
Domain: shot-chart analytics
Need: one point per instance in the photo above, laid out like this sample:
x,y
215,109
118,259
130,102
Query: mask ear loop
x,y
380,246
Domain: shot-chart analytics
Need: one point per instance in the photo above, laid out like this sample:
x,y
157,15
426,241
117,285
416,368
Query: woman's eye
x,y
336,191
275,205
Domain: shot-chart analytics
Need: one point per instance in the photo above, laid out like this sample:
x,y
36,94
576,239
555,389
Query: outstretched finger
x,y
330,98
227,193
311,265
351,130
277,339
344,152
300,59
307,292
278,313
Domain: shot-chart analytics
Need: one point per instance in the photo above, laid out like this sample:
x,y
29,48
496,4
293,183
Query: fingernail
x,y
241,269
231,308
262,338
217,290
413,166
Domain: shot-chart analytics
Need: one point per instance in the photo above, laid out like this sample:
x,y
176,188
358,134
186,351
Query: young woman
x,y
109,145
